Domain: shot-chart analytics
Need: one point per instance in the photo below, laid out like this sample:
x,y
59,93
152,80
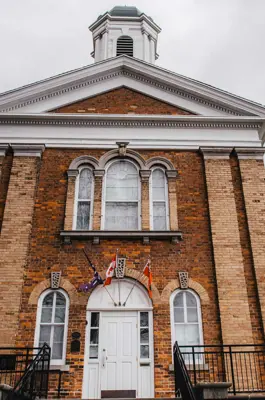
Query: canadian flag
x,y
110,271
147,272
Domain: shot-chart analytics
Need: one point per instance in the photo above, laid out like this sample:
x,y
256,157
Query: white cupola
x,y
125,30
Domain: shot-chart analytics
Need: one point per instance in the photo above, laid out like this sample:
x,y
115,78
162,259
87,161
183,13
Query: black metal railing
x,y
25,371
183,386
241,365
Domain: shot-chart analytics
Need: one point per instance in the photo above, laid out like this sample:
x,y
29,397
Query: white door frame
x,y
145,367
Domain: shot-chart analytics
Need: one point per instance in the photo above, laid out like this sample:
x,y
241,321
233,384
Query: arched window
x,y
84,199
186,319
159,200
125,46
122,204
52,320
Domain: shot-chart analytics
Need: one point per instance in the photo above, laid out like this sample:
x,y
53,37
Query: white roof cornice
x,y
130,120
150,76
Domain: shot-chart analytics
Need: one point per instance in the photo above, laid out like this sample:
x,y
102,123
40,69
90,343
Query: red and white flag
x,y
147,272
110,271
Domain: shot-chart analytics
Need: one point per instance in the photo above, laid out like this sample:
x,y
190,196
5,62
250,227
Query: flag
x,y
110,271
95,281
147,272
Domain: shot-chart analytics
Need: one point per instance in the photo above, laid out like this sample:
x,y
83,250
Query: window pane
x,y
191,300
48,300
158,185
192,314
159,216
95,319
121,216
46,314
57,351
85,184
59,314
144,351
94,336
144,335
178,300
93,352
144,319
122,182
45,334
58,334
187,334
83,214
60,299
178,314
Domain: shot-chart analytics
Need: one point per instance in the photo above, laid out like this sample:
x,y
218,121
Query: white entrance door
x,y
118,351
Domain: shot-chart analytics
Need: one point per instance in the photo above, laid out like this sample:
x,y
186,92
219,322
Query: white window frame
x,y
116,45
152,201
198,302
38,323
77,199
104,186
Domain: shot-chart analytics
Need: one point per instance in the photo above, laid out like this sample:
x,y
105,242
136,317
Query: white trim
x,y
23,150
96,362
46,91
172,322
3,149
38,321
151,201
77,199
104,185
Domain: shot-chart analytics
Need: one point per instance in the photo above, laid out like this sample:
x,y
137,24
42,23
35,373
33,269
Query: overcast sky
x,y
220,42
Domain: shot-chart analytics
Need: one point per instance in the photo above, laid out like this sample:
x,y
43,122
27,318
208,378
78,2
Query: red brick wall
x,y
48,253
122,101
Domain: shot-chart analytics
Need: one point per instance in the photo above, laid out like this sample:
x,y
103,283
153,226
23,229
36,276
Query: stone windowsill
x,y
145,236
63,368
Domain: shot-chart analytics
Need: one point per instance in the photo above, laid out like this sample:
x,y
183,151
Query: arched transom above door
x,y
125,294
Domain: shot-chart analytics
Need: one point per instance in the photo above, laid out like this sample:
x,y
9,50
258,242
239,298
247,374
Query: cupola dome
x,y
125,30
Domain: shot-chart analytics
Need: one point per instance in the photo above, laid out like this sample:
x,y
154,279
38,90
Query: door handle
x,y
104,358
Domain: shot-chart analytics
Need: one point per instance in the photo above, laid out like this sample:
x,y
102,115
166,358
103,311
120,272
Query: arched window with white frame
x,y
122,196
159,213
52,322
186,320
84,199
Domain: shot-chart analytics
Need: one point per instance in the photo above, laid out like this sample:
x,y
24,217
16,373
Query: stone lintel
x,y
72,173
28,150
145,175
3,149
216,153
250,153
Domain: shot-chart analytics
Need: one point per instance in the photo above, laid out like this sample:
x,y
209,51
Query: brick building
x,y
125,155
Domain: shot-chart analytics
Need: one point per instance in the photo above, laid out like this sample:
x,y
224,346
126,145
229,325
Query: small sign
x,y
183,280
120,269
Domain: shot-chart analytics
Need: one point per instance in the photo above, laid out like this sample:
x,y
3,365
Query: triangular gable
x,y
121,101
165,86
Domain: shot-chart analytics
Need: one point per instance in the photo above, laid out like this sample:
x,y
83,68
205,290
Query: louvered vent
x,y
125,46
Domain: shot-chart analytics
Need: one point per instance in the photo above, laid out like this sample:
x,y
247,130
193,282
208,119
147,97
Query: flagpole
x,y
118,277
124,304
115,304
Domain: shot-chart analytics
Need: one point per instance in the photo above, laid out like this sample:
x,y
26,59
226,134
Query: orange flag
x,y
147,272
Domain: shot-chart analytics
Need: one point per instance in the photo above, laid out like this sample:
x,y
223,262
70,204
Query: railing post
x,y
194,366
232,369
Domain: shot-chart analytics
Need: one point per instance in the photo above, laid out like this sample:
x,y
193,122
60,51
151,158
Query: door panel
x,y
118,342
